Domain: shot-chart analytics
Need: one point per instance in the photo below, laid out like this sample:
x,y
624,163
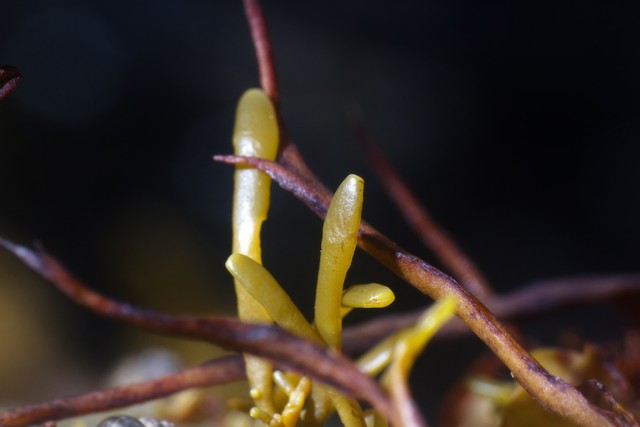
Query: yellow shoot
x,y
261,285
409,344
339,238
255,134
379,357
284,381
297,397
370,295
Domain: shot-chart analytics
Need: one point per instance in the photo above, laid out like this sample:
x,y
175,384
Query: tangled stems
x,y
284,349
553,393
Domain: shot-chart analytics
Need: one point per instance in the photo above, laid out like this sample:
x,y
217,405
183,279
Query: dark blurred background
x,y
517,124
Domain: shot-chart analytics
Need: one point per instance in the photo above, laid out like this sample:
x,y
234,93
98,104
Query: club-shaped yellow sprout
x,y
339,239
370,295
255,134
262,286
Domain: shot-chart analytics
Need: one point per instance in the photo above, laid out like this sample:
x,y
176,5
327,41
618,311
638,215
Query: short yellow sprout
x,y
370,295
409,344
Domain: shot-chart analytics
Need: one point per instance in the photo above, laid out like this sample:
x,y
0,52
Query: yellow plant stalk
x,y
339,239
406,349
412,342
255,134
297,396
381,355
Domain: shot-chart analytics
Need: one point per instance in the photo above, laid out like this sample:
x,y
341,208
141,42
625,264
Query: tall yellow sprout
x,y
255,134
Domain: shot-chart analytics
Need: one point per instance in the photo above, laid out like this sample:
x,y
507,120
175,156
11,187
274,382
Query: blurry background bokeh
x,y
517,124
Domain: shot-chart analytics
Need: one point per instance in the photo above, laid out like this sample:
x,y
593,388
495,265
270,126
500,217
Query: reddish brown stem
x,y
285,350
417,216
216,372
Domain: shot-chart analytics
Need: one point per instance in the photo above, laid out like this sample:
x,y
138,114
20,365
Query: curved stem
x,y
215,372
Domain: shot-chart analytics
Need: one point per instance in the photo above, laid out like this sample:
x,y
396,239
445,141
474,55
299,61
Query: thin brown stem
x,y
433,236
286,351
215,372
553,393
263,48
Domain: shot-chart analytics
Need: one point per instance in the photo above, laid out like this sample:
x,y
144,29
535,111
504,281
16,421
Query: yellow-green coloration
x,y
261,285
370,295
255,134
297,397
499,392
264,288
404,346
339,239
411,342
406,349
374,419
